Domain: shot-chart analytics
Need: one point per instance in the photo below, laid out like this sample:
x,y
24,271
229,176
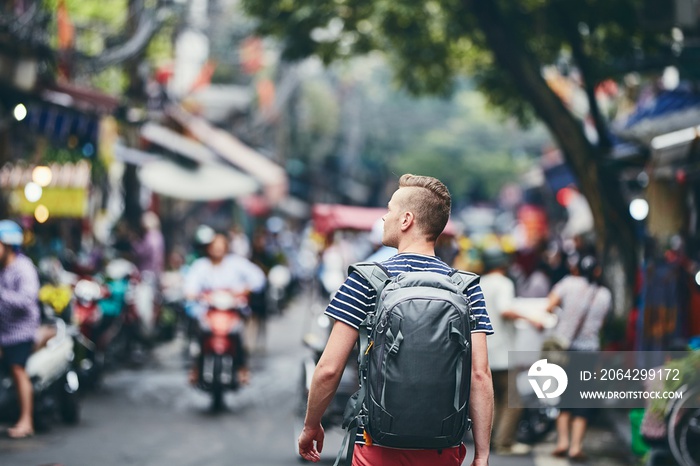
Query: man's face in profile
x,y
392,219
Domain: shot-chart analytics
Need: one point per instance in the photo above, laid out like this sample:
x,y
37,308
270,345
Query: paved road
x,y
152,417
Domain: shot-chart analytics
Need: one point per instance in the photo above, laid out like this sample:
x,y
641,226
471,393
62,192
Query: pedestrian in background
x,y
19,319
149,249
584,304
499,293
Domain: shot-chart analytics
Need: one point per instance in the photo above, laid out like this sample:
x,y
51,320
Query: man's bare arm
x,y
323,386
481,399
329,370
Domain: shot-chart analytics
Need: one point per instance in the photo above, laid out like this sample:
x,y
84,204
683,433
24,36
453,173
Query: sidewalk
x,y
607,443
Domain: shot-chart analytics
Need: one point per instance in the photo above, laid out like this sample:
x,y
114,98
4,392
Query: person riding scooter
x,y
19,319
219,271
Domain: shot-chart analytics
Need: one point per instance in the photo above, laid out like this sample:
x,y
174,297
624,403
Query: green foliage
x,y
689,371
318,119
94,21
112,80
465,145
356,104
431,43
102,24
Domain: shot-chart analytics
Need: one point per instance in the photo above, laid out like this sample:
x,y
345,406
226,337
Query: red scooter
x,y
220,361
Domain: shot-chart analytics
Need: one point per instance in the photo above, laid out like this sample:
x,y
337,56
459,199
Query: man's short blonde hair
x,y
430,204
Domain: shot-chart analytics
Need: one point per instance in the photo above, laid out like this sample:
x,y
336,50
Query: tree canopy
x,y
504,45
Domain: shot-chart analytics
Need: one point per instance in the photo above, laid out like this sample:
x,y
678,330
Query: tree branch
x,y
570,29
599,186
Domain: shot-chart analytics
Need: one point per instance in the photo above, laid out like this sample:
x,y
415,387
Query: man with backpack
x,y
422,330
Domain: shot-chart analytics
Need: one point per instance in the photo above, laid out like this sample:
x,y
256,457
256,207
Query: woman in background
x,y
584,303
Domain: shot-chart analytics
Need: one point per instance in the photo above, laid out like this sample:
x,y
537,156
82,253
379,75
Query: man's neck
x,y
417,247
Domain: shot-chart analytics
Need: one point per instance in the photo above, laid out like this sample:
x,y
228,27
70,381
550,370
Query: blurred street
x,y
152,417
173,172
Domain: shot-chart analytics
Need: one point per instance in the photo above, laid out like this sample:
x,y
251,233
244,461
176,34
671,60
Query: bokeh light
x,y
639,209
565,196
41,213
33,192
42,175
20,112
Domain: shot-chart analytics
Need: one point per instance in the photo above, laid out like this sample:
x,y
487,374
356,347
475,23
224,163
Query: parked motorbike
x,y
128,305
94,332
55,383
683,427
535,422
315,340
219,352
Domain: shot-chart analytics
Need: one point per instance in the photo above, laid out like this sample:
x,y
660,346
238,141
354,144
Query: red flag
x,y
64,26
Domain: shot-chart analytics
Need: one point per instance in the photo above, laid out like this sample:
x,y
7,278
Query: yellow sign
x,y
60,202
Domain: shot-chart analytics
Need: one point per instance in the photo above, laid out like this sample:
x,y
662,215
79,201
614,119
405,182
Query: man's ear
x,y
407,219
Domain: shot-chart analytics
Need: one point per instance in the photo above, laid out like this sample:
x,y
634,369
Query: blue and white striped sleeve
x,y
353,301
478,308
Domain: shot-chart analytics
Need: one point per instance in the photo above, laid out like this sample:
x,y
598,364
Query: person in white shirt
x,y
499,292
219,271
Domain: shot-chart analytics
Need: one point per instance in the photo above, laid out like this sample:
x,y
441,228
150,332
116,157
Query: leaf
x,y
547,384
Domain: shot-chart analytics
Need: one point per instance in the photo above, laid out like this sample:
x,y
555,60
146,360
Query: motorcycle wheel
x,y
217,390
217,399
43,417
689,441
533,426
683,427
70,408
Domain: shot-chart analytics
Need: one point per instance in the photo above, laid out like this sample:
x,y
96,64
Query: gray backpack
x,y
415,361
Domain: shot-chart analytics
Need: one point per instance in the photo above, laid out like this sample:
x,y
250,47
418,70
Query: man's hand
x,y
307,449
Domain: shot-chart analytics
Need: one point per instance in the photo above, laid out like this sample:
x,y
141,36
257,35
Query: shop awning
x,y
202,177
134,156
177,143
205,182
80,98
64,193
272,177
668,112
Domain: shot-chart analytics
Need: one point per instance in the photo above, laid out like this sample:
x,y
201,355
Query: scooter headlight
x,y
72,382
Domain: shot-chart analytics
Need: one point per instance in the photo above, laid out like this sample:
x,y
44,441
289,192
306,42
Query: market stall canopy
x,y
219,102
330,217
60,189
177,143
205,182
134,156
667,112
80,98
269,174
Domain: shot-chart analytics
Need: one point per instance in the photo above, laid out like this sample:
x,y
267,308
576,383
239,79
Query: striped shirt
x,y
19,302
356,297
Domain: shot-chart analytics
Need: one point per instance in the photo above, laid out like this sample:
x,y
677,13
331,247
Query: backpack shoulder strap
x,y
375,273
378,276
463,279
